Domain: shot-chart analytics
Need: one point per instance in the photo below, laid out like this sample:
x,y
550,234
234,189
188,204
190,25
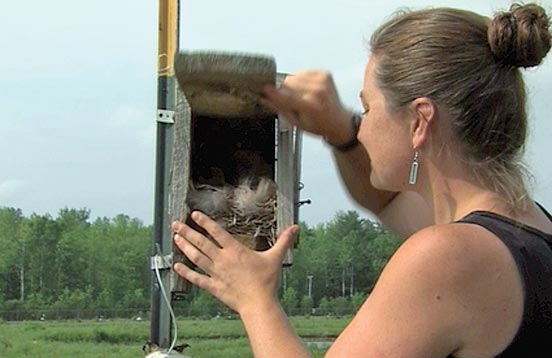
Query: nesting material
x,y
246,211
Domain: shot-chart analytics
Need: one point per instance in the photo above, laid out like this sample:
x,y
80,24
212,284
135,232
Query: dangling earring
x,y
414,169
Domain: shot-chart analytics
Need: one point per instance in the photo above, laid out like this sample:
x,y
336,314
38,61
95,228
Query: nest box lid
x,y
225,85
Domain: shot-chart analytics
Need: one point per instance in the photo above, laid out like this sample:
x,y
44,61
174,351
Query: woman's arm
x,y
403,213
354,168
309,100
270,333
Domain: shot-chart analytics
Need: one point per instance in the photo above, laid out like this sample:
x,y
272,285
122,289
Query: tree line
x,y
72,262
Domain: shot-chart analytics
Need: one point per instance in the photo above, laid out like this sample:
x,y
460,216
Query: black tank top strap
x,y
544,210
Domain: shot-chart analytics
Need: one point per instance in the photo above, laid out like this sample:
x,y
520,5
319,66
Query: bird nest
x,y
247,211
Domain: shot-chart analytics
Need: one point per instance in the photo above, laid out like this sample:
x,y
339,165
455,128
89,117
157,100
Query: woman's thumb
x,y
285,240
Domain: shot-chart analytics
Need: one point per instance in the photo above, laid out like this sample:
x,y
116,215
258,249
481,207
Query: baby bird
x,y
211,200
249,200
152,350
246,211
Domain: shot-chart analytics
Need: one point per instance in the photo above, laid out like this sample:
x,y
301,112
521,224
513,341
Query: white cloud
x,y
10,188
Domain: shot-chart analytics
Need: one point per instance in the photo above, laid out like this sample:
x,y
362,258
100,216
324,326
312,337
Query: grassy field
x,y
124,338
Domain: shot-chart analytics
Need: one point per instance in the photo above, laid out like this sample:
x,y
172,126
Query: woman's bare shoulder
x,y
459,256
442,292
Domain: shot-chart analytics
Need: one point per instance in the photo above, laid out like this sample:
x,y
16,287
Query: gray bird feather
x,y
211,200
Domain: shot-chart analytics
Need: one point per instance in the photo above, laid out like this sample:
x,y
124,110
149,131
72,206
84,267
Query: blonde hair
x,y
469,65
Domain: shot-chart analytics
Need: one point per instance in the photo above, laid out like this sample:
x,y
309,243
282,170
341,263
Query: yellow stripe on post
x,y
168,36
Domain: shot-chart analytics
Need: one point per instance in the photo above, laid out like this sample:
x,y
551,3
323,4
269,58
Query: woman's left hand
x,y
236,275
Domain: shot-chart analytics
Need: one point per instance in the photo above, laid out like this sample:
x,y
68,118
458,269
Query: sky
x,y
78,92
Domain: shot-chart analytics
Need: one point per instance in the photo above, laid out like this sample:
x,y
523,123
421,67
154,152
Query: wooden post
x,y
160,332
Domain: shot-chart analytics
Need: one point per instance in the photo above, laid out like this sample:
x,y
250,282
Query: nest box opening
x,y
227,150
233,176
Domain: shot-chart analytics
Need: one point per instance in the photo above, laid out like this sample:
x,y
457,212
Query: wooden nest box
x,y
233,158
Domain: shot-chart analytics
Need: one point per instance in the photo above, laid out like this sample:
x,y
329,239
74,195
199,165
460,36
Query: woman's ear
x,y
425,116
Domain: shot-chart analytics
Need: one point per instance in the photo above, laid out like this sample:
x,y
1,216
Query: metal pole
x,y
309,277
168,37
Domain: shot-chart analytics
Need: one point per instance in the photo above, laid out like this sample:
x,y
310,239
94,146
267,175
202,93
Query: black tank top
x,y
532,252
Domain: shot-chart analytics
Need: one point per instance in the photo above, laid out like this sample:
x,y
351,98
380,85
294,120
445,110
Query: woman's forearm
x,y
354,168
271,334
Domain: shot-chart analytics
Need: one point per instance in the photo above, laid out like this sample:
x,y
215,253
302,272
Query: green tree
x,y
40,235
341,306
306,305
345,230
12,253
205,305
289,300
72,258
120,257
357,300
324,307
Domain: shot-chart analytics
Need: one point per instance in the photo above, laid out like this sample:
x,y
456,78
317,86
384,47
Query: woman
x,y
437,158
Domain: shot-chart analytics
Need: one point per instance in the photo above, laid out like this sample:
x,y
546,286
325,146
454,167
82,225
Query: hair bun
x,y
521,36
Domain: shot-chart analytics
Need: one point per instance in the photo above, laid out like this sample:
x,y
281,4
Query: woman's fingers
x,y
199,249
194,277
194,254
283,99
197,239
309,100
291,116
288,107
221,236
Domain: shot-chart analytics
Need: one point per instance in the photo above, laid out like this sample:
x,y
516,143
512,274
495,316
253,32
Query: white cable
x,y
166,298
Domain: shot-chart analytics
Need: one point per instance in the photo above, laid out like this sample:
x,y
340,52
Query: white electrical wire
x,y
166,298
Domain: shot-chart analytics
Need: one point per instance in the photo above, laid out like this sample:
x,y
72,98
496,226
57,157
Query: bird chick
x,y
152,350
251,201
210,200
160,354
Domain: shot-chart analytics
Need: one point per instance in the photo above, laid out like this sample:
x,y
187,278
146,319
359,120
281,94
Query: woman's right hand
x,y
309,100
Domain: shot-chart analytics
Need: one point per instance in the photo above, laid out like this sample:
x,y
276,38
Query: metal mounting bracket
x,y
165,116
161,262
